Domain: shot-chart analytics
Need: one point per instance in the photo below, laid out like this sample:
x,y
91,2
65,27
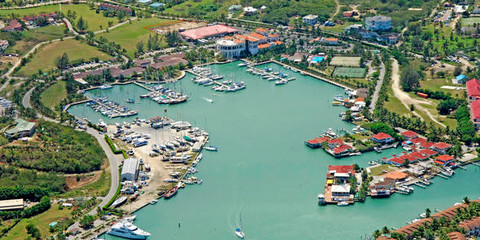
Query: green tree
x,y
87,221
410,78
82,25
62,62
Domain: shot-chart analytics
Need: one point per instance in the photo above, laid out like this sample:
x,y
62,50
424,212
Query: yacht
x,y
239,233
242,64
211,148
127,230
342,204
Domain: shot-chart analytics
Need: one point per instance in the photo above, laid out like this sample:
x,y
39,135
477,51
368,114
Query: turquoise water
x,y
263,171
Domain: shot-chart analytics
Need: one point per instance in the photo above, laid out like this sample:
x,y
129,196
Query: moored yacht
x,y
127,230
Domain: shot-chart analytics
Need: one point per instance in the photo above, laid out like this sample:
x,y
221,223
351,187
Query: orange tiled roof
x,y
396,175
263,45
257,36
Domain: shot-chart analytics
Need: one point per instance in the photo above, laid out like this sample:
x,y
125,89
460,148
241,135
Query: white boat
x,y
342,204
242,64
239,233
211,148
154,201
128,230
131,218
119,201
208,100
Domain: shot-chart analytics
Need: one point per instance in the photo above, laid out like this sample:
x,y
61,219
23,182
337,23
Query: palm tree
x,y
428,212
466,200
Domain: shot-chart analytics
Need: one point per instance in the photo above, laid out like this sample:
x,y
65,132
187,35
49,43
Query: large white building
x,y
310,19
378,23
130,169
235,46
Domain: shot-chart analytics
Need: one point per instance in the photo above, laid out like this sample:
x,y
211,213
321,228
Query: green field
x,y
45,58
128,35
54,94
41,221
345,61
470,21
349,72
93,19
32,38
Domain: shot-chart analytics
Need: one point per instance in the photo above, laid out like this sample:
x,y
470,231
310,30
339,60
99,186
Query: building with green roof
x,y
22,129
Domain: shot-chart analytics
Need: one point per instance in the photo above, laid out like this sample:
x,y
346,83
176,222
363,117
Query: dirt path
x,y
337,9
406,99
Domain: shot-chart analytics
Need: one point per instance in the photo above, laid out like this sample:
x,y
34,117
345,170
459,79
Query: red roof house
x,y
382,137
426,144
441,147
341,150
473,89
444,160
316,142
428,152
408,135
335,142
475,107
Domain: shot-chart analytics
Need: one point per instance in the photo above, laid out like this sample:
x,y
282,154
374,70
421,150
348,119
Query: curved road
x,y
114,160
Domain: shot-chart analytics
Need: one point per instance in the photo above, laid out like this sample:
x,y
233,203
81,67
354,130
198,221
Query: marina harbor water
x,y
262,171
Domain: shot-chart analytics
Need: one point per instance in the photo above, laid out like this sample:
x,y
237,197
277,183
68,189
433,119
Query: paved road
x,y
114,160
376,93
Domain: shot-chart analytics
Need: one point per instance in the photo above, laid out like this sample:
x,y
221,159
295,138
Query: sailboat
x,y
239,231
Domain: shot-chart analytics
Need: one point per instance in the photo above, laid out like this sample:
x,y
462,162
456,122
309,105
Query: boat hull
x,y
128,236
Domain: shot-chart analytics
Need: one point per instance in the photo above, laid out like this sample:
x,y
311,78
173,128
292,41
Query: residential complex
x,y
378,23
237,45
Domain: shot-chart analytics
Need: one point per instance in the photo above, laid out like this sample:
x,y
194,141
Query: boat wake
x,y
208,100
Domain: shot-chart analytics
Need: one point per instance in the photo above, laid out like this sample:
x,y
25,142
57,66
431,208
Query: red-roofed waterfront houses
x,y
441,147
409,135
473,89
382,138
444,160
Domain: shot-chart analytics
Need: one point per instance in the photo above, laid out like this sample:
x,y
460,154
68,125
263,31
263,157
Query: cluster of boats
x,y
206,77
110,109
278,77
163,95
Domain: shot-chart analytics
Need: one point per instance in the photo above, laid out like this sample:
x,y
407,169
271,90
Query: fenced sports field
x,y
349,72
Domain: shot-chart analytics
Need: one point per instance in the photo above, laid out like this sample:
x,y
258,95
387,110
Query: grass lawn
x,y
470,21
41,221
377,171
394,105
45,58
129,35
436,84
33,37
93,19
54,94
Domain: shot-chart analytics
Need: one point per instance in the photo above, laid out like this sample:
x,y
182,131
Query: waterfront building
x,y
316,142
333,143
208,32
310,19
237,45
473,89
340,174
396,176
382,189
341,193
444,160
21,130
428,152
130,169
378,23
409,135
441,147
382,138
142,63
342,150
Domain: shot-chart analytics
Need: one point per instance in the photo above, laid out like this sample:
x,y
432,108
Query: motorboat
x,y
242,64
130,218
211,148
119,202
154,201
127,230
239,233
208,100
342,204
281,82
130,100
171,192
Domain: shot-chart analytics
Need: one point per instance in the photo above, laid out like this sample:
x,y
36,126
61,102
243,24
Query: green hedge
x,y
113,148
